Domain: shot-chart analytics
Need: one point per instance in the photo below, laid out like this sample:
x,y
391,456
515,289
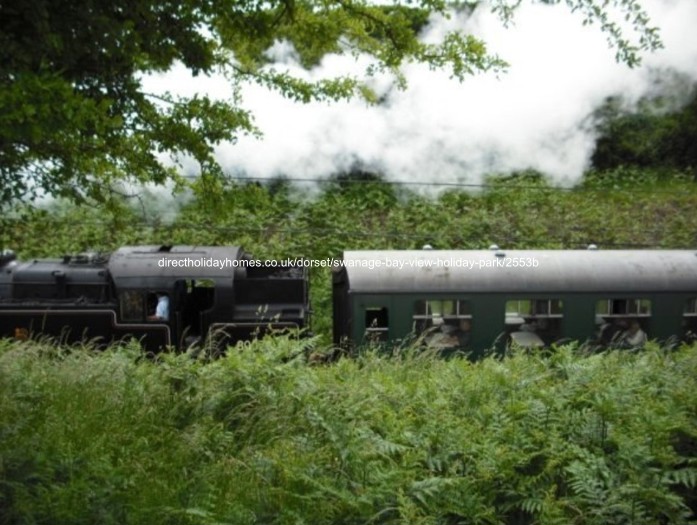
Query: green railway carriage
x,y
475,300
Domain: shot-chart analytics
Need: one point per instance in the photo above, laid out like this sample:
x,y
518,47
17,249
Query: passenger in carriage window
x,y
449,334
463,332
614,331
634,336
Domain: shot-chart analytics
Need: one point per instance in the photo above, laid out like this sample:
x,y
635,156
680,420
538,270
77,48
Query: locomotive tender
x,y
451,300
210,290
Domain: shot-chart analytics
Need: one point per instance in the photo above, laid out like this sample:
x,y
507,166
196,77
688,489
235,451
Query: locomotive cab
x,y
212,291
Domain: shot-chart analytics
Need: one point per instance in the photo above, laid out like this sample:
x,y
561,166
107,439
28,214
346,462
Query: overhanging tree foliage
x,y
75,120
650,136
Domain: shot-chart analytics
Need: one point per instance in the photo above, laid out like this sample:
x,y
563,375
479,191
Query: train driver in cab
x,y
162,309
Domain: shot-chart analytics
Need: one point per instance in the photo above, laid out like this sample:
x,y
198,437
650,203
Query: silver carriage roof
x,y
513,271
160,266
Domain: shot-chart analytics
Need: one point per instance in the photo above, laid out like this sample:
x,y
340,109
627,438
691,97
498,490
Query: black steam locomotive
x,y
204,290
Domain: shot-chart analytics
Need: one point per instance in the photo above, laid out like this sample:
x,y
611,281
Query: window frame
x,y
533,311
127,306
383,332
458,314
637,313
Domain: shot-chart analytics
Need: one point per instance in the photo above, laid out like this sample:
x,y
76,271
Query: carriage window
x,y
689,320
622,322
131,305
376,323
535,308
534,322
623,308
445,323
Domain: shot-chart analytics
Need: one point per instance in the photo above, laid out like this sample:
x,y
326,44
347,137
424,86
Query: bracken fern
x,y
260,435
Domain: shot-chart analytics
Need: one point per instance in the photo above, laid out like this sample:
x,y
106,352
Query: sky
x,y
536,115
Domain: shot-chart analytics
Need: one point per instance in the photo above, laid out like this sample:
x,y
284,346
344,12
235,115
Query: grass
x,y
261,436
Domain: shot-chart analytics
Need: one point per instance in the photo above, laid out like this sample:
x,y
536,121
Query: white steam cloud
x,y
536,115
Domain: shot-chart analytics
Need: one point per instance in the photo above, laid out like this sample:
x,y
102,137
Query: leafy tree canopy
x,y
650,136
75,119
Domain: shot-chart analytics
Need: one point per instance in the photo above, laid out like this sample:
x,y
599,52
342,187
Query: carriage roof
x,y
519,271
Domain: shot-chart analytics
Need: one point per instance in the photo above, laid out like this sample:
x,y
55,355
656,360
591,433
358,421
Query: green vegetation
x,y
260,436
659,134
625,207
